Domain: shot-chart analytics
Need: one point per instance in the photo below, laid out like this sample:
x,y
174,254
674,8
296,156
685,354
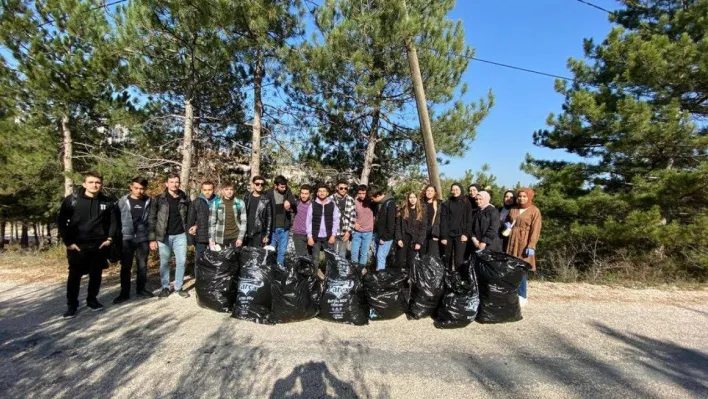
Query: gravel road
x,y
575,341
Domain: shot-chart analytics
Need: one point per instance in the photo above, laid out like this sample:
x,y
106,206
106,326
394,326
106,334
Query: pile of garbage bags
x,y
248,283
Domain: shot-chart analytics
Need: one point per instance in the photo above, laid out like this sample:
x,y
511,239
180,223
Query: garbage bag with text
x,y
253,296
499,276
296,290
459,305
426,286
216,285
387,293
343,299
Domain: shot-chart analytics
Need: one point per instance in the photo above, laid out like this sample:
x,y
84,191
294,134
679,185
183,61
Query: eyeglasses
x,y
258,184
341,188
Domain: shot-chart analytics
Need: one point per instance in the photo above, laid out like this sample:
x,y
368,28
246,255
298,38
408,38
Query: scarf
x,y
529,193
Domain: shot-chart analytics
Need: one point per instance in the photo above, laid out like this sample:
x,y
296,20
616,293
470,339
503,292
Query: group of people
x,y
317,219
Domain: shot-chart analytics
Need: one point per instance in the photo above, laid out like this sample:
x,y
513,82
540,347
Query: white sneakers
x,y
522,301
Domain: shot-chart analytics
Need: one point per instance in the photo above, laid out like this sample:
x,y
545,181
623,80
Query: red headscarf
x,y
529,193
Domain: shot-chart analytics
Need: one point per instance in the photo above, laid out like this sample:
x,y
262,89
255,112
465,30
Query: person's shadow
x,y
315,379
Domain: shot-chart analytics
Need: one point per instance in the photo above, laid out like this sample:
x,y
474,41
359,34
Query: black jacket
x,y
198,215
411,229
432,230
485,227
83,220
263,225
288,214
160,214
455,218
385,223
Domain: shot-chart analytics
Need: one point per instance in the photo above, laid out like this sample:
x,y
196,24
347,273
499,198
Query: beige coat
x,y
524,234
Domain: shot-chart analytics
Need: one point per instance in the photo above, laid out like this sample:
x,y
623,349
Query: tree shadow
x,y
685,367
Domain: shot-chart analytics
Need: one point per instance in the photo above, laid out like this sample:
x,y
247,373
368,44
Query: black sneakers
x,y
120,299
183,294
71,312
144,293
164,293
94,305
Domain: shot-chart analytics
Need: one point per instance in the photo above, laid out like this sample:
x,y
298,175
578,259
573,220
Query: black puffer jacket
x,y
411,229
263,225
160,213
199,216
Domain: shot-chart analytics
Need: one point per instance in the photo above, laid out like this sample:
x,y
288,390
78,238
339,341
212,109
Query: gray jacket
x,y
126,220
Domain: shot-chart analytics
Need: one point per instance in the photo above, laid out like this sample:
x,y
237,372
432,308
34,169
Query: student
x,y
322,223
363,231
431,245
410,231
133,210
300,221
259,215
87,222
227,220
485,225
167,224
198,220
283,203
509,202
455,224
347,212
525,223
384,225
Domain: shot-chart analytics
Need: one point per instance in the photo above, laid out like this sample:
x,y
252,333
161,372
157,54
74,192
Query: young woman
x,y
410,231
485,225
431,211
509,202
455,225
525,223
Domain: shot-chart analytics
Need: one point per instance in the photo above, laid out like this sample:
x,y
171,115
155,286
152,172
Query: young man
x,y
259,215
347,211
168,232
384,225
133,210
322,222
283,202
363,227
227,223
86,225
198,220
300,221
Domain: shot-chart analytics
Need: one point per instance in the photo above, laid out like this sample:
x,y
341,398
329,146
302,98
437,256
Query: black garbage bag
x,y
343,300
216,285
499,276
387,293
459,305
253,297
426,286
296,290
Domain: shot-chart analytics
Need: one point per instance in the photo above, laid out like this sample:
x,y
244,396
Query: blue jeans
x,y
279,239
382,251
523,287
178,245
361,241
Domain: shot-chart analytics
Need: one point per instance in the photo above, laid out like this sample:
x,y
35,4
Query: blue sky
x,y
539,35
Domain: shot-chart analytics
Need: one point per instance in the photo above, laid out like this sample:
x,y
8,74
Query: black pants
x,y
430,247
406,254
320,245
90,260
138,251
300,242
256,242
454,252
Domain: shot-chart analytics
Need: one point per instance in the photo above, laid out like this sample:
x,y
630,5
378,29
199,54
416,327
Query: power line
x,y
519,68
587,3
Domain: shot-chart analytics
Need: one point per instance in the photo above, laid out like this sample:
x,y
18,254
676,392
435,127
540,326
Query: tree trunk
x,y
3,224
36,235
257,113
68,155
371,146
24,240
49,233
15,232
187,147
423,115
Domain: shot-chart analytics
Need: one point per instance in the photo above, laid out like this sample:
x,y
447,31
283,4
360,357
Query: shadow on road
x,y
312,380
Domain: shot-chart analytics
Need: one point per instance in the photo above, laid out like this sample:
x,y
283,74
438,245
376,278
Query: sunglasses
x,y
258,184
341,188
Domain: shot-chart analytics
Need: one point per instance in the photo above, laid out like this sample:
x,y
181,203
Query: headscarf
x,y
485,199
462,194
504,205
529,193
